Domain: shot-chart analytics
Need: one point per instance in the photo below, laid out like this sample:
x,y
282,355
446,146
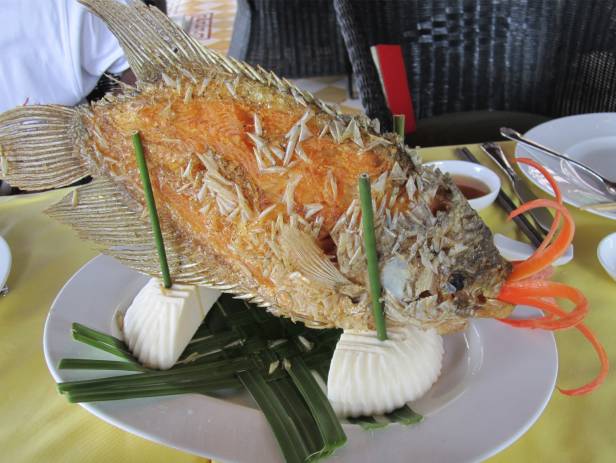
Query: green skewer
x,y
399,125
367,215
149,199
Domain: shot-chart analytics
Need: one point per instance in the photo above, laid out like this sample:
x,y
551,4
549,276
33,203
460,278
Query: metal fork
x,y
516,136
532,233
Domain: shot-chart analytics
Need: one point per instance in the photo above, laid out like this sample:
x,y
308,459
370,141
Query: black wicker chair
x,y
533,59
294,38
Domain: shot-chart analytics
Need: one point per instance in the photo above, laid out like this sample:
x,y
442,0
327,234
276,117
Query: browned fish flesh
x,y
256,184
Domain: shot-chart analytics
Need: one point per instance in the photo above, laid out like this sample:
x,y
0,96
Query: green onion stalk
x,y
367,214
399,125
151,204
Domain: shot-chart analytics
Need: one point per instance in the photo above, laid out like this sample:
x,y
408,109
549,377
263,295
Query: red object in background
x,y
390,65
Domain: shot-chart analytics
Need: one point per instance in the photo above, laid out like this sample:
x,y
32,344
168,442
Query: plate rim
x,y
352,431
5,252
525,169
601,257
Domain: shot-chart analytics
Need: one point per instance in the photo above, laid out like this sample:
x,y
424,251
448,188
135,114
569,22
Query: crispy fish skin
x,y
256,185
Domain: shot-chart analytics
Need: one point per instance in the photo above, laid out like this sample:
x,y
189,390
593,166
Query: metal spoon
x,y
516,136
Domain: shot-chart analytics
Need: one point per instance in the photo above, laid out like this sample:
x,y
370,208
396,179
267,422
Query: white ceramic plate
x,y
587,138
496,381
606,253
513,250
5,262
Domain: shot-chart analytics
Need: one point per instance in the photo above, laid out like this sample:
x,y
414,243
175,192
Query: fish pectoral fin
x,y
103,213
40,147
352,290
309,259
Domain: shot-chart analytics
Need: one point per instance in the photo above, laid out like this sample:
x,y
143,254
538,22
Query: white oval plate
x,y
467,419
587,138
606,253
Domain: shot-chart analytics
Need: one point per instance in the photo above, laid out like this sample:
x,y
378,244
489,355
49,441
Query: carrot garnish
x,y
523,294
546,174
557,193
544,274
557,248
605,365
599,349
535,294
527,283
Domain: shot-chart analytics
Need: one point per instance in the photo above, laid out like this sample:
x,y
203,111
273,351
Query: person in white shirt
x,y
53,51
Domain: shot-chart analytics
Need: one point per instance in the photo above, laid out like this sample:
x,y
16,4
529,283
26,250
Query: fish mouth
x,y
494,308
479,304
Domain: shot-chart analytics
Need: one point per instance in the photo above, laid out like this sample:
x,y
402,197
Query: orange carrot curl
x,y
544,258
528,285
557,193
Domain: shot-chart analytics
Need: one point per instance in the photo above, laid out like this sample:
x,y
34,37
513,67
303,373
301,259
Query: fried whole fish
x,y
256,185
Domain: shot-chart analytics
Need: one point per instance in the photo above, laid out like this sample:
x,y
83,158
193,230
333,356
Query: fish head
x,y
475,277
444,267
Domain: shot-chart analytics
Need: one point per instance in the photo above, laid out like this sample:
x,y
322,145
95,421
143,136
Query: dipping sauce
x,y
470,187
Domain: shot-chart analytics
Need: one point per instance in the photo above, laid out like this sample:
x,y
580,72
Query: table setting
x,y
583,186
216,264
41,270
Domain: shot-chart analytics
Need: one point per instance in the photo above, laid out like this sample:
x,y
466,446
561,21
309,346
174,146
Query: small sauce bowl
x,y
479,184
606,252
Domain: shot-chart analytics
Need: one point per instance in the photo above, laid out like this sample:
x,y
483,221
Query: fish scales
x,y
216,148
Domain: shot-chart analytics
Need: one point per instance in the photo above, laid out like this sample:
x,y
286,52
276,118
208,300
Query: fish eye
x,y
457,280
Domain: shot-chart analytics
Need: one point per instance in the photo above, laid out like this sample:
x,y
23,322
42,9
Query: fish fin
x,y
152,42
156,46
309,259
102,213
39,147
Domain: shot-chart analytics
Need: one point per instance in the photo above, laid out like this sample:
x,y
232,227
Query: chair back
x,y
539,56
293,38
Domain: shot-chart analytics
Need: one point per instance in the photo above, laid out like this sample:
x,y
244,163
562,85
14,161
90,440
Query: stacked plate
x,y
587,138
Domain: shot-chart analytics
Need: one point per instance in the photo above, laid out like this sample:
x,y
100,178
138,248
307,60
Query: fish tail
x,y
39,147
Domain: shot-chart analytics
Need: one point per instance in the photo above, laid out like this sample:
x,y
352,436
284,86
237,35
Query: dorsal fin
x,y
156,46
153,44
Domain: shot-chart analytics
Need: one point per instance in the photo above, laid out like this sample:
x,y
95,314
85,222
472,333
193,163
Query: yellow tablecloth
x,y
37,425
